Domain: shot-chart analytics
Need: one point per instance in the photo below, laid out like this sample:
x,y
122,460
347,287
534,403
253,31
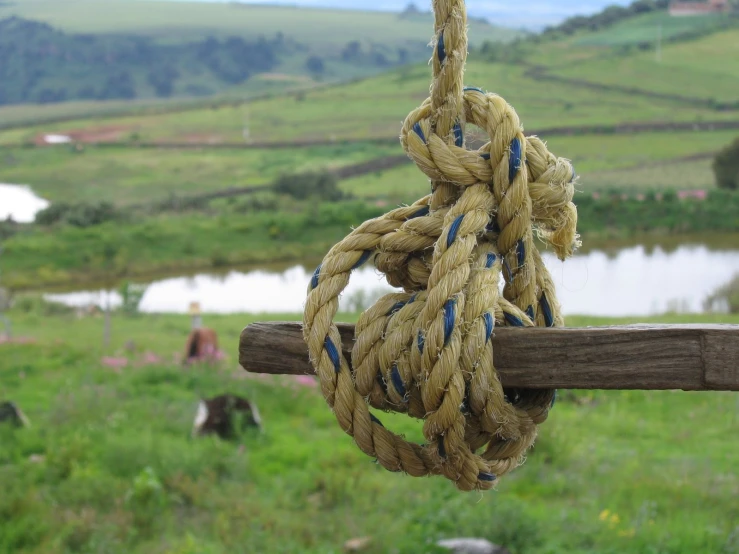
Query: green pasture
x,y
376,107
698,68
131,175
108,465
635,163
646,29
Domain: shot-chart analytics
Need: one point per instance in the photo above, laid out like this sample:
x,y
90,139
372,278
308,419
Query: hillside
x,y
116,49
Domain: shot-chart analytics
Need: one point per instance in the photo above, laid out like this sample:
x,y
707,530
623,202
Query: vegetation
x,y
726,166
155,49
266,228
39,64
726,297
108,466
131,175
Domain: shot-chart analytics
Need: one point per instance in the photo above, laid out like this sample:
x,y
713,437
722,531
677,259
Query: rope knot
x,y
427,351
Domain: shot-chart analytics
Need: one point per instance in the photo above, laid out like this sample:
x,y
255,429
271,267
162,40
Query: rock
x,y
357,545
472,546
10,413
225,416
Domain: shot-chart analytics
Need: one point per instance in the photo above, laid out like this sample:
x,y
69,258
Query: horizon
x,y
531,16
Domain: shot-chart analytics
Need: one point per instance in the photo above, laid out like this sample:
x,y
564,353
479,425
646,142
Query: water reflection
x,y
635,280
20,203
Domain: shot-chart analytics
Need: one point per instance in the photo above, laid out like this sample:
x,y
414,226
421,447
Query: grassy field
x,y
646,29
138,175
377,107
695,68
108,466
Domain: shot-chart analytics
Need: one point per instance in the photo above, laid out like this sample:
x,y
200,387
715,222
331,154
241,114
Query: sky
x,y
533,14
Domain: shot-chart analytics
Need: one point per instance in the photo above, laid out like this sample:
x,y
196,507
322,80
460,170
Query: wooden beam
x,y
650,357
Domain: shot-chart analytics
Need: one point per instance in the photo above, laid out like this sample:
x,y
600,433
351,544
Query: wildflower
x,y
604,515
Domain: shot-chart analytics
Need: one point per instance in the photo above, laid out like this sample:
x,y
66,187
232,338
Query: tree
x,y
726,167
315,65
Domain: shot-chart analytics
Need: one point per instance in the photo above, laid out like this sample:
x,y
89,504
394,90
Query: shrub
x,y
83,214
726,167
305,185
131,295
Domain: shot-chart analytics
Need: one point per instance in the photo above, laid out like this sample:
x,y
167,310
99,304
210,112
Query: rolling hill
x,y
52,51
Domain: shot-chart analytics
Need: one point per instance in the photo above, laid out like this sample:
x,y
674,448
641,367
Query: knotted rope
x,y
427,351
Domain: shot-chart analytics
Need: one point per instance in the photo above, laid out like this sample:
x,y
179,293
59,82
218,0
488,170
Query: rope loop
x,y
427,351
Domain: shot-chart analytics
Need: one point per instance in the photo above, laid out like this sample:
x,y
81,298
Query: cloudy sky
x,y
531,14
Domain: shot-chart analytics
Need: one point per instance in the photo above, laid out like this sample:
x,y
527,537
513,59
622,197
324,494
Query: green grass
x,y
645,29
137,175
244,232
631,163
667,176
376,108
119,474
695,68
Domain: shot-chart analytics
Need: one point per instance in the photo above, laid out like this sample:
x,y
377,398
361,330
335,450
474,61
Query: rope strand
x,y
427,351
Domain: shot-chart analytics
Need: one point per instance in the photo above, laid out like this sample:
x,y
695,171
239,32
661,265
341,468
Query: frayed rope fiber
x,y
427,351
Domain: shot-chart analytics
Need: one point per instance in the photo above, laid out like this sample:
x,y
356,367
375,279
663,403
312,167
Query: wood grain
x,y
650,357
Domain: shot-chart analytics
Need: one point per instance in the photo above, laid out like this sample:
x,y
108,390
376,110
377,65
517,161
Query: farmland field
x,y
108,466
138,175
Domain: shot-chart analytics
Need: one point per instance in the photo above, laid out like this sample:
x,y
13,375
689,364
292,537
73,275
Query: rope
x,y
427,351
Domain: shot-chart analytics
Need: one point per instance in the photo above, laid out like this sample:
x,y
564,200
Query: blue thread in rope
x,y
513,320
450,314
490,261
413,298
397,381
453,230
507,269
361,261
333,353
554,399
417,129
514,160
489,325
398,306
485,156
489,477
492,226
520,252
467,89
420,213
441,49
547,309
458,134
530,312
314,279
420,341
574,173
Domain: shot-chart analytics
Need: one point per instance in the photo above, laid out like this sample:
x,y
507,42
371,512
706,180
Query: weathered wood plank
x,y
650,357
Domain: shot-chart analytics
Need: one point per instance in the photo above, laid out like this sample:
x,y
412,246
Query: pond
x,y
637,279
20,203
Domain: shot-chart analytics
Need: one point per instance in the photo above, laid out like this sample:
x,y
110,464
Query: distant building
x,y
699,8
